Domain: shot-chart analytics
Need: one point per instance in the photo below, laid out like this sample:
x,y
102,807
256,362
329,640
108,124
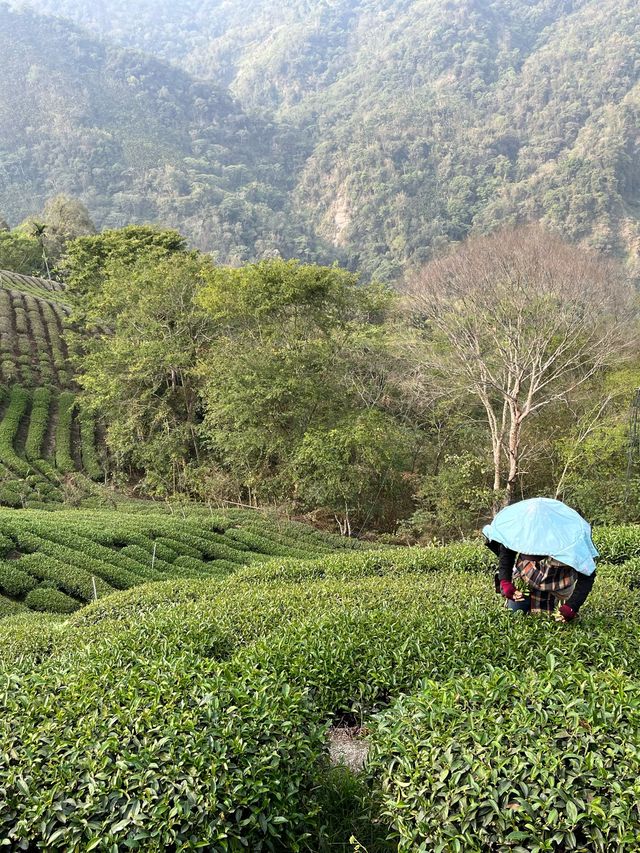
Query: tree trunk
x,y
514,456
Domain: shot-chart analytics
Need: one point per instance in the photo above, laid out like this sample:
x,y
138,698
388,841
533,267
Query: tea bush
x,y
66,407
193,712
468,557
617,543
51,600
18,404
38,423
196,566
15,582
526,761
90,459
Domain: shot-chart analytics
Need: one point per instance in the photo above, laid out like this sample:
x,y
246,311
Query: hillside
x,y
137,140
201,713
423,121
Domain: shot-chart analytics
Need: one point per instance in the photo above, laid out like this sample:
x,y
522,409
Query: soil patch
x,y
348,746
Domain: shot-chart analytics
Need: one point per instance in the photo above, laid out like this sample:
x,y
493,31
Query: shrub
x,y
145,559
163,552
38,423
197,567
14,581
26,638
66,407
50,600
90,460
11,494
116,576
7,545
180,547
617,543
263,545
73,580
224,687
527,761
222,566
467,557
18,404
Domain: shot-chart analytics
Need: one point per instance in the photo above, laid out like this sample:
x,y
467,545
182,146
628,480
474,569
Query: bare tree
x,y
518,319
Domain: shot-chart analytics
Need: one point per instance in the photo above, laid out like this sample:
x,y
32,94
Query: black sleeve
x,y
582,590
507,562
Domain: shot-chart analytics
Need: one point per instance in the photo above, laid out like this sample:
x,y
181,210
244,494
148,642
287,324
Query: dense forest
x,y
137,140
368,132
296,386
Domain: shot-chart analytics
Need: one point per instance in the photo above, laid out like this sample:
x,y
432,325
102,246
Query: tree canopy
x,y
503,373
364,132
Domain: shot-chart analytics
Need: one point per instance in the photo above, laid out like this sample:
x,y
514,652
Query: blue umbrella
x,y
547,528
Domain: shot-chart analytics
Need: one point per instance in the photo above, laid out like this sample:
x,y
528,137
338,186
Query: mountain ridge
x,y
376,133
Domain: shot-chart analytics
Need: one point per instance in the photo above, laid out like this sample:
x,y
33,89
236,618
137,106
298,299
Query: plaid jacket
x,y
549,582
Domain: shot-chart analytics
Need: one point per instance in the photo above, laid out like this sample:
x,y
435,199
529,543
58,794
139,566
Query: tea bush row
x,y
18,403
9,607
51,600
90,459
66,406
263,544
15,582
53,320
467,557
38,423
26,480
243,678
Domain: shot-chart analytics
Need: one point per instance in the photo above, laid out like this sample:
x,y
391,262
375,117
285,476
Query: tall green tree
x,y
66,218
296,372
20,253
137,368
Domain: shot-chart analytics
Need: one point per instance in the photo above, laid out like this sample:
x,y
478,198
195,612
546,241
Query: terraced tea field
x,y
58,562
32,347
43,438
197,713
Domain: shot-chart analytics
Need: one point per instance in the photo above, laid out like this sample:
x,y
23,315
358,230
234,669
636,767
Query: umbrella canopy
x,y
545,527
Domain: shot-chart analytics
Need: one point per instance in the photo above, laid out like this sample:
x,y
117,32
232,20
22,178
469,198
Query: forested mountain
x,y
137,140
387,128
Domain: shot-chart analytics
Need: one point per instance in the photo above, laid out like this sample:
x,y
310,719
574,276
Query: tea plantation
x,y
44,436
193,713
57,562
32,347
171,677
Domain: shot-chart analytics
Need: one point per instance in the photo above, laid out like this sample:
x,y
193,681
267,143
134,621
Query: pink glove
x,y
567,612
507,589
